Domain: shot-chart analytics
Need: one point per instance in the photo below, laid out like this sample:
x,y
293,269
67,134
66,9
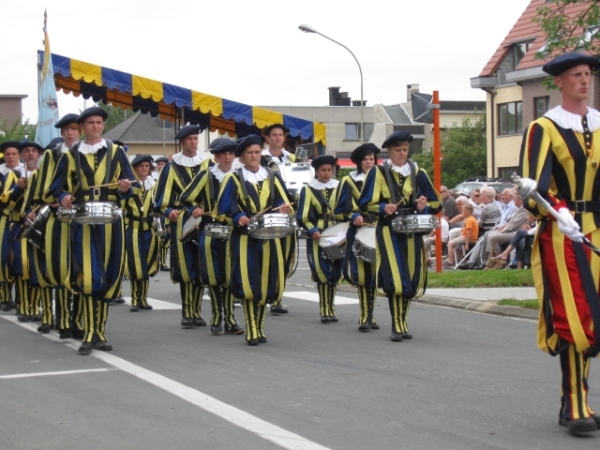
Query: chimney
x,y
357,103
334,95
410,90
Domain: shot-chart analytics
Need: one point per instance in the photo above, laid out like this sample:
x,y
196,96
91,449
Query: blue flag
x,y
47,101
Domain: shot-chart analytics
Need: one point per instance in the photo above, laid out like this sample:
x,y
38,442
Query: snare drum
x,y
218,231
64,215
32,229
159,228
416,223
190,229
333,241
272,226
96,213
365,245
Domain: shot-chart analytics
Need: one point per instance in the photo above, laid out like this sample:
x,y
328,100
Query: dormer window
x,y
518,51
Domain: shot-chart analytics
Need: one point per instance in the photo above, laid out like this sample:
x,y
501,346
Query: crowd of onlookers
x,y
484,229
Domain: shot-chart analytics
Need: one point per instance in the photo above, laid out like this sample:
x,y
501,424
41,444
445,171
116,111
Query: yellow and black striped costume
x,y
141,243
172,181
6,277
257,265
401,257
315,213
357,271
97,251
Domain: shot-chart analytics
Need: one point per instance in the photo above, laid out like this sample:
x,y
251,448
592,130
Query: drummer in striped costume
x,y
257,265
200,197
172,181
357,271
52,265
273,154
315,214
165,241
399,188
97,251
7,181
141,242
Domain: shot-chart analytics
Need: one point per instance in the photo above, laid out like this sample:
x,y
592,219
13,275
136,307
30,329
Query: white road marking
x,y
45,374
161,304
314,297
273,433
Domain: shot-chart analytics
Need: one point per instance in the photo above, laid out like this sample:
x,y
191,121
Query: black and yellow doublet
x,y
6,278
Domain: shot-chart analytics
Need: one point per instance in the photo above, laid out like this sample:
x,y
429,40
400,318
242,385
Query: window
x,y
352,132
541,106
506,172
510,118
519,51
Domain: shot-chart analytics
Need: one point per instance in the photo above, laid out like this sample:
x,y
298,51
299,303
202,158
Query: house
x,y
11,109
512,79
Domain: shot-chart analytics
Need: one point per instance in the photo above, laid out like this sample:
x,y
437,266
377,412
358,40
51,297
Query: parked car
x,y
499,184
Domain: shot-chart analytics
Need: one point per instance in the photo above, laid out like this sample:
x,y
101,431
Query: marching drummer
x,y
257,273
275,153
173,179
399,188
200,198
141,242
315,214
165,241
97,251
357,271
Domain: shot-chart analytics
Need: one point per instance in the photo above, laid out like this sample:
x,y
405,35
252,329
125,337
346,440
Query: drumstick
x,y
260,213
116,183
279,207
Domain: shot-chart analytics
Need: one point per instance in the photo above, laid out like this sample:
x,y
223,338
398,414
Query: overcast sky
x,y
253,52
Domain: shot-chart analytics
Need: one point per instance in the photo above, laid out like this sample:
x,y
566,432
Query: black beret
x,y
162,159
363,150
243,144
23,145
222,145
142,158
267,130
569,60
66,120
9,144
188,130
54,142
93,111
397,136
322,160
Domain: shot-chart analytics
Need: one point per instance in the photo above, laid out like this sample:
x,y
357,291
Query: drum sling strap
x,y
413,179
324,203
240,174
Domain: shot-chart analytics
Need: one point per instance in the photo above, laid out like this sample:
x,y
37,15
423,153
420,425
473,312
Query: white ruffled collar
x,y
63,148
357,176
283,158
218,173
571,121
255,177
90,149
331,184
404,170
149,182
188,161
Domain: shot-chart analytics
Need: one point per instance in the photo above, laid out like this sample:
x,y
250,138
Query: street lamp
x,y
308,29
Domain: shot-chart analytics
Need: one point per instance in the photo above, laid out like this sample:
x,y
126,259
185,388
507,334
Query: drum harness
x,y
394,197
240,174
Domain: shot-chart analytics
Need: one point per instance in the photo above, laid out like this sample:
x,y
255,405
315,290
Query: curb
x,y
458,303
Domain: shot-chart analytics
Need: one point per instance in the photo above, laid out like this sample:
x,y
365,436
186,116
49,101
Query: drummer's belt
x,y
369,218
582,206
326,216
90,195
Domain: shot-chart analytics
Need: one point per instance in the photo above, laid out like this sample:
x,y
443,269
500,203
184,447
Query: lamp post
x,y
308,29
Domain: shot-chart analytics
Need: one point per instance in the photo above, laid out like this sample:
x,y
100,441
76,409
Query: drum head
x,y
366,235
334,235
191,225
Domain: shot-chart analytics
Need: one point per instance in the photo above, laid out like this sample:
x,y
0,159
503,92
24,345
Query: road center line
x,y
45,374
270,432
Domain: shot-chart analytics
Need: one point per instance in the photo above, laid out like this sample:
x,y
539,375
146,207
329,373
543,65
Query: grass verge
x,y
527,304
480,278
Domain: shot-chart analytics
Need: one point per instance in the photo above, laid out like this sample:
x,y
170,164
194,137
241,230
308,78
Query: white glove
x,y
568,226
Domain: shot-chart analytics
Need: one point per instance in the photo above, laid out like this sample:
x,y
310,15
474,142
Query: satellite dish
x,y
422,107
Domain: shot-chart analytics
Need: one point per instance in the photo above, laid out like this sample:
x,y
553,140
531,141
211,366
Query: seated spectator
x,y
527,229
449,209
468,235
429,241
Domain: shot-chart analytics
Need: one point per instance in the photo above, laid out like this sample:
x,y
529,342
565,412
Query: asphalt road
x,y
466,381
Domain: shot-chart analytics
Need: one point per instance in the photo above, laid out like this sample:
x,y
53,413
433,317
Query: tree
x,y
16,131
464,150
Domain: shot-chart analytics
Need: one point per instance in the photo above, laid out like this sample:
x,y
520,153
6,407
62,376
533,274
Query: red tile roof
x,y
525,29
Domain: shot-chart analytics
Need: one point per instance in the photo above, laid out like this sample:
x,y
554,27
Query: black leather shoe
x,y
199,322
236,329
597,420
252,342
120,300
216,329
262,340
333,319
165,268
6,306
65,334
364,327
279,309
22,318
36,318
396,337
85,348
44,328
187,323
324,319
134,308
577,426
77,334
466,266
374,326
407,336
146,307
103,346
